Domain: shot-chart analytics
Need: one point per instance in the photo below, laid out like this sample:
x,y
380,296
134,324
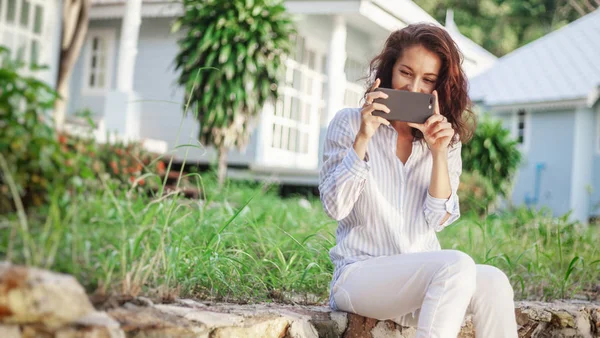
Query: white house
x,y
124,76
547,93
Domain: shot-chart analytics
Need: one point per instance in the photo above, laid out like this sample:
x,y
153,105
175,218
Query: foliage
x,y
476,194
244,243
493,153
545,257
27,138
503,26
124,161
243,43
39,159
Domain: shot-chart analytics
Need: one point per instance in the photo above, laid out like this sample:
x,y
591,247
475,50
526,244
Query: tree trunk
x,y
222,164
74,30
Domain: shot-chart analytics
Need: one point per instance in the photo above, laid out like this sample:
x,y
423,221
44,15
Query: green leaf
x,y
224,53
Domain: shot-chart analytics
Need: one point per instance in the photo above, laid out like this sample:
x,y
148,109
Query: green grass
x,y
246,244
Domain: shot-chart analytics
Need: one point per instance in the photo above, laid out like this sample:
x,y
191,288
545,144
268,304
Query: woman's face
x,y
416,70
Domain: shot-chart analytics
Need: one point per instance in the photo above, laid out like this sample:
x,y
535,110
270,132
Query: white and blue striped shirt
x,y
382,206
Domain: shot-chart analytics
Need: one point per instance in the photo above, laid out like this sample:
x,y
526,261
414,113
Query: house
x,y
547,94
126,78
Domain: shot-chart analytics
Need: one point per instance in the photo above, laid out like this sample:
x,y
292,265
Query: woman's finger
x,y
433,119
375,85
439,126
375,95
421,127
381,120
381,106
436,109
442,133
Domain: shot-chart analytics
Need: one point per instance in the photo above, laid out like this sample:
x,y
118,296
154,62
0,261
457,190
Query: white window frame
x,y
20,33
282,123
109,35
523,146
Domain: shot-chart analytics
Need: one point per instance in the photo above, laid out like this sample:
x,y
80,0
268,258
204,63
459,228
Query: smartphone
x,y
406,106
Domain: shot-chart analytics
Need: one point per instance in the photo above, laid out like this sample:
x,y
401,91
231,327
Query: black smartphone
x,y
406,106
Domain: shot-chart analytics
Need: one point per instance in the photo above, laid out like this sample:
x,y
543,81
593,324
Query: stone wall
x,y
38,303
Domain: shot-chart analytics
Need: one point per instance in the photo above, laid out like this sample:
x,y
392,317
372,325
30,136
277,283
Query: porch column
x,y
121,113
336,78
581,177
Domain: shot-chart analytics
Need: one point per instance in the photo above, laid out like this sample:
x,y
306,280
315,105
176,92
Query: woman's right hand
x,y
370,123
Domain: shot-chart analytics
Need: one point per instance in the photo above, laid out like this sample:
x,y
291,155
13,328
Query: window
x,y
355,73
22,29
521,127
301,99
98,61
354,70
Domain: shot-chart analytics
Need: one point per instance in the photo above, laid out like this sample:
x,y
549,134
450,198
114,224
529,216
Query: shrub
x,y
476,193
39,159
492,153
27,139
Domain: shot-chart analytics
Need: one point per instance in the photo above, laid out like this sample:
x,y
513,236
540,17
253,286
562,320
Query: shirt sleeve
x,y
343,174
436,208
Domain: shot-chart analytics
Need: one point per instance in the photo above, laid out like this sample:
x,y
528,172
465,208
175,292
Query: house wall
x,y
154,80
79,100
551,138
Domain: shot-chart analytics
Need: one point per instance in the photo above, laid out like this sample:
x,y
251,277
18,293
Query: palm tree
x,y
243,43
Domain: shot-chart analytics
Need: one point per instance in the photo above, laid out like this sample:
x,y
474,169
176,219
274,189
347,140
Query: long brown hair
x,y
451,84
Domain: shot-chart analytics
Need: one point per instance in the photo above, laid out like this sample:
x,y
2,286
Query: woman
x,y
392,186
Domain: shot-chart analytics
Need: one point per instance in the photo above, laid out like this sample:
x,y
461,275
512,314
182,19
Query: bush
x,y
476,193
27,139
493,154
39,159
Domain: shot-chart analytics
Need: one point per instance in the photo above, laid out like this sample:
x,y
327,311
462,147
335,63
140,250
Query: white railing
x,y
353,95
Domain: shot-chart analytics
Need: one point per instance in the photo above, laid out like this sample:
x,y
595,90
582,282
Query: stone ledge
x,y
38,303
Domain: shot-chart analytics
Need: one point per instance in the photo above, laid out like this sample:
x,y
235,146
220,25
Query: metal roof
x,y
563,65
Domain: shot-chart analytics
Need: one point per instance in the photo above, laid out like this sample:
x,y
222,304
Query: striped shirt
x,y
383,207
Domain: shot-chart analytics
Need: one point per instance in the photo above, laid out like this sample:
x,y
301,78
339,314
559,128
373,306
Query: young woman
x,y
392,185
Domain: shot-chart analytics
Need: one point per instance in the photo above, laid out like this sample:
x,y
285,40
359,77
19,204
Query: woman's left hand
x,y
437,131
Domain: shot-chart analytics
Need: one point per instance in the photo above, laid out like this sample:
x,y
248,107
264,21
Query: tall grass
x,y
545,257
244,243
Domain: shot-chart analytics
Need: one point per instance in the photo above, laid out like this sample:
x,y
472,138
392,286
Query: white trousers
x,y
432,291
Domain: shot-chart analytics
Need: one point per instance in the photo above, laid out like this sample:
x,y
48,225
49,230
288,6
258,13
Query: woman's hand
x,y
370,123
437,131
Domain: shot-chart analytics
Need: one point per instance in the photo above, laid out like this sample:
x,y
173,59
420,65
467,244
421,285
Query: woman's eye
x,y
404,72
429,81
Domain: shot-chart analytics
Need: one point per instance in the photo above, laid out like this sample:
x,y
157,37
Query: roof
x,y
561,66
382,17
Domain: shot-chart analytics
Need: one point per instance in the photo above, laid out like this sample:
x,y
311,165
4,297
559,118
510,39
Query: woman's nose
x,y
413,86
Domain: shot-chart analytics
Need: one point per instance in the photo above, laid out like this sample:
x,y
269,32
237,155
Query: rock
x,y
359,326
36,303
386,330
595,319
30,295
10,331
341,321
302,329
150,322
274,327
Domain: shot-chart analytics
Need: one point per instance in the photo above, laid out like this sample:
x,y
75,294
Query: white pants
x,y
437,288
